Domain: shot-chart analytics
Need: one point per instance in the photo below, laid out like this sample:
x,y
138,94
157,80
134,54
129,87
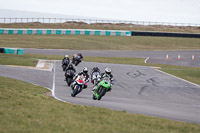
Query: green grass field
x,y
83,42
25,108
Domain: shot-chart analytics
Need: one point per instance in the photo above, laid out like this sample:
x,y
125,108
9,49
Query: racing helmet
x,y
70,65
85,70
108,71
95,68
66,56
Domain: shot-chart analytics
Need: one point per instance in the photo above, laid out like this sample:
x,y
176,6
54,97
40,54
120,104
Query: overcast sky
x,y
183,11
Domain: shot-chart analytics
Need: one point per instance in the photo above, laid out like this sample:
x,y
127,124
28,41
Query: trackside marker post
x,y
193,57
179,57
167,57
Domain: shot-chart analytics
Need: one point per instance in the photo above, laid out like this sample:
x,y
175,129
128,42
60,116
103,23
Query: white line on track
x,y
178,78
54,78
146,60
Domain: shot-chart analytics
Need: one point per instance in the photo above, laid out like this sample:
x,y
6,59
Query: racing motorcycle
x,y
76,60
69,76
94,77
78,85
101,88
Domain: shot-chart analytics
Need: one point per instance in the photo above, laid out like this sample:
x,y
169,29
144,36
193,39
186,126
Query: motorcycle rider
x,y
95,69
82,73
77,54
65,61
69,67
108,74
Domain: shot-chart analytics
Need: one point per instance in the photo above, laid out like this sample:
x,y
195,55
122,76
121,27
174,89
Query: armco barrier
x,y
12,51
20,51
65,32
1,50
165,34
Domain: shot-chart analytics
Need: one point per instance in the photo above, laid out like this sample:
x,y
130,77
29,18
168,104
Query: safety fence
x,y
90,21
12,51
65,32
96,32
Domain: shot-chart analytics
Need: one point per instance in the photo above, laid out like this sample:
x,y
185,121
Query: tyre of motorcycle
x,y
76,90
64,67
73,60
76,63
94,98
69,81
102,92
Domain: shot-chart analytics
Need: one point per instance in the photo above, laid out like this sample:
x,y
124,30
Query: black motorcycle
x,y
69,74
64,65
76,60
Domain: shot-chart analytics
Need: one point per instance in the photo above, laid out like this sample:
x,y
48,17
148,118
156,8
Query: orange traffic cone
x,y
167,57
192,57
179,57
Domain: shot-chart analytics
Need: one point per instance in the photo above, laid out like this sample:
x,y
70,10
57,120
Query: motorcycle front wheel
x,y
76,63
74,91
102,92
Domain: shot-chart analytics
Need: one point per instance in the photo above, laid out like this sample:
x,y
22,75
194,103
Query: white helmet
x,y
108,71
66,56
85,70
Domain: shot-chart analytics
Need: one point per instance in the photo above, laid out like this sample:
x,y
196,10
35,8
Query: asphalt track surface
x,y
137,89
157,57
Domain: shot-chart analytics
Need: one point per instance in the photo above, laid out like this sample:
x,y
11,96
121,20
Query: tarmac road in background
x,y
158,57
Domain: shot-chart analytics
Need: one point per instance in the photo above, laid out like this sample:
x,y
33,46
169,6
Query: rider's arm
x,y
75,77
87,78
111,79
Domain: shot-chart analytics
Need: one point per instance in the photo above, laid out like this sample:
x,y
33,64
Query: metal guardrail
x,y
90,21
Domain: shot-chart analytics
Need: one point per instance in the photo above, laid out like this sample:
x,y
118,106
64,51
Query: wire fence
x,y
89,21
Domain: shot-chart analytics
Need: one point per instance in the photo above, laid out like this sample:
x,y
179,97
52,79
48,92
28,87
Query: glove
x,y
109,89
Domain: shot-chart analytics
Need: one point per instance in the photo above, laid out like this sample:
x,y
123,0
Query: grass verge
x,y
24,108
18,60
82,42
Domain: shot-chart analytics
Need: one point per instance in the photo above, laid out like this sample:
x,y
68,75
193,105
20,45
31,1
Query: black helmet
x,y
85,70
95,68
70,65
108,71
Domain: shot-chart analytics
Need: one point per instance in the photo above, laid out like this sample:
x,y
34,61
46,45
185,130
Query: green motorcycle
x,y
101,88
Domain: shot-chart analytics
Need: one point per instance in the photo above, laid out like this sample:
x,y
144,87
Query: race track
x,y
157,57
137,89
